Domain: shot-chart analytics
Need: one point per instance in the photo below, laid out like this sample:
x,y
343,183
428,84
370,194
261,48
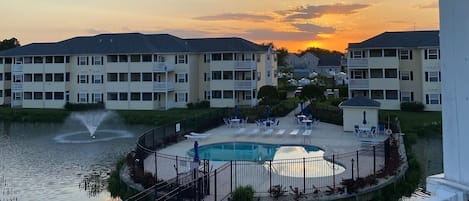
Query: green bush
x,y
282,94
336,102
83,107
412,106
243,193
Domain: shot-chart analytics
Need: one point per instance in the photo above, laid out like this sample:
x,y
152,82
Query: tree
x,y
311,92
282,54
9,43
268,95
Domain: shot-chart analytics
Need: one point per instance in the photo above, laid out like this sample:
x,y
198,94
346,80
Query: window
x,y
432,54
8,76
135,96
405,54
432,76
49,59
123,96
59,60
1,60
97,60
377,94
111,96
135,77
359,74
123,58
37,95
28,77
433,99
156,96
376,53
228,94
82,79
112,77
38,77
146,58
97,97
407,96
227,56
18,77
48,95
146,77
49,77
227,75
112,58
390,52
28,60
160,58
407,75
82,97
58,77
123,77
181,58
181,77
376,73
390,73
67,77
7,92
216,94
82,60
216,75
58,95
216,57
97,79
38,60
181,97
135,58
147,96
27,95
391,94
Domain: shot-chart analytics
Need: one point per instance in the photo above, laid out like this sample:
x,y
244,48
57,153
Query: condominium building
x,y
396,67
136,71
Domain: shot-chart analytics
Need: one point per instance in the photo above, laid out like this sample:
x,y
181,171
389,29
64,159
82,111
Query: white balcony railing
x,y
244,84
359,83
17,86
163,86
357,63
17,68
163,67
245,65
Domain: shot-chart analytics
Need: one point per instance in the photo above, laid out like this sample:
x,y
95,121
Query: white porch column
x,y
453,184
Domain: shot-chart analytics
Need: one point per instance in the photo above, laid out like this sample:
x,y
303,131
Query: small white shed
x,y
360,110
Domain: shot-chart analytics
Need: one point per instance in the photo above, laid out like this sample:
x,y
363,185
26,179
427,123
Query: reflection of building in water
x,y
95,182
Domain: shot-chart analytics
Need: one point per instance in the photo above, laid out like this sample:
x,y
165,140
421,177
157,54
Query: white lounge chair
x,y
199,134
195,136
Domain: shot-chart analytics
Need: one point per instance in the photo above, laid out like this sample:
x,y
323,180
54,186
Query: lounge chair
x,y
199,134
227,122
357,131
195,136
372,131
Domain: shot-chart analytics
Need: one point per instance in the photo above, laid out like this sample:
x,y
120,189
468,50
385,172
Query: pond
x,y
61,161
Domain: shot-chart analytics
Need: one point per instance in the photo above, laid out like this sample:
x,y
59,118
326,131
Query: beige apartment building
x,y
134,71
396,67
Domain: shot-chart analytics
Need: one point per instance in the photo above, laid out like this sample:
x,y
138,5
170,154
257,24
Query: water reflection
x,y
35,167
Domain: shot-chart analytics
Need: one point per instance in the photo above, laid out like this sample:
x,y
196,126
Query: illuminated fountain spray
x,y
91,119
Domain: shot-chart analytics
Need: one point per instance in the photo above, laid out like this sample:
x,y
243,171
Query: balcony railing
x,y
17,68
163,86
16,86
359,83
357,63
244,84
163,67
245,65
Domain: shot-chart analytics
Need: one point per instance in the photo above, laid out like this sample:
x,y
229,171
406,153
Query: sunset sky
x,y
293,24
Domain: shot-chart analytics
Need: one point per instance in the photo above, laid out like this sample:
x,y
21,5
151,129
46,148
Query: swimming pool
x,y
282,157
248,151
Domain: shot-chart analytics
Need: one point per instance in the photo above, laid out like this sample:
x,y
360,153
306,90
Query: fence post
x,y
177,171
270,174
358,170
236,176
304,175
374,161
352,169
215,184
333,171
231,176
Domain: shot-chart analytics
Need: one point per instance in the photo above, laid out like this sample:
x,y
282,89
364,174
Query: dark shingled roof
x,y
128,43
361,101
400,39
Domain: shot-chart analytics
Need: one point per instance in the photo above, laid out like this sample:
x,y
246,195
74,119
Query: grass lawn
x,y
33,115
411,121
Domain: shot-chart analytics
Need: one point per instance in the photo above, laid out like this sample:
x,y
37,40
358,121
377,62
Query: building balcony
x,y
244,84
163,67
359,83
245,65
17,86
357,63
235,65
163,86
17,68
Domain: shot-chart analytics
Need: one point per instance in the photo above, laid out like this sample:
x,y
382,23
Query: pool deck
x,y
329,137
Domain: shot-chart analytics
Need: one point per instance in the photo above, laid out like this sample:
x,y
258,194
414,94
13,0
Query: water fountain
x,y
91,119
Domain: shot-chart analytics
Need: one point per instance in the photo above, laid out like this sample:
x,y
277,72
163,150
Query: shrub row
x,y
83,107
412,106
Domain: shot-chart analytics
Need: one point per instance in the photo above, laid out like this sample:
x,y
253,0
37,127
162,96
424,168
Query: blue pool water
x,y
248,151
